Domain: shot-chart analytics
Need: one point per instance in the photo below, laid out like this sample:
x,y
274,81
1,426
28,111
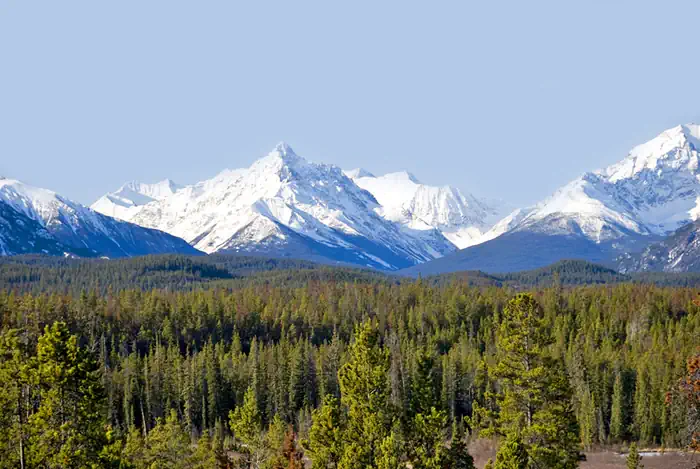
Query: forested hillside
x,y
48,274
42,274
292,372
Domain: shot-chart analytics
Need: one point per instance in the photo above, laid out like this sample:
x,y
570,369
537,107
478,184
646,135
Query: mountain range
x,y
607,216
34,220
635,215
284,205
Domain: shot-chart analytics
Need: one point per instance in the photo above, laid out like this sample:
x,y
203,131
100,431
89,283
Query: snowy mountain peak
x,y
461,218
77,228
284,204
402,176
358,173
691,130
127,200
282,160
651,192
285,153
156,190
674,149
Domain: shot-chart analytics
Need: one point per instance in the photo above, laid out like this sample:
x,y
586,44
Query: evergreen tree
x,y
617,413
14,391
167,446
325,443
206,455
535,398
67,428
426,441
365,393
512,454
634,459
246,425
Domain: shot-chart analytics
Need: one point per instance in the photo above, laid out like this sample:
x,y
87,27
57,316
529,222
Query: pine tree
x,y
246,425
365,393
617,412
459,457
634,459
166,447
426,440
643,420
67,428
512,454
205,455
14,390
535,401
325,443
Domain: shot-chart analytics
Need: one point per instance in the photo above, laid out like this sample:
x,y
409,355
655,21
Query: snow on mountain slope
x,y
461,218
79,229
679,252
19,234
601,216
284,200
653,191
128,199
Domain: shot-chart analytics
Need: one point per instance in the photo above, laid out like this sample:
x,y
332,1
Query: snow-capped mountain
x,y
461,218
126,201
603,214
285,205
19,234
679,252
653,191
38,220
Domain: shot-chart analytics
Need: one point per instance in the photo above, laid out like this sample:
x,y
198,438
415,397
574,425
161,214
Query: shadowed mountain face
x,y
679,252
515,252
35,220
19,234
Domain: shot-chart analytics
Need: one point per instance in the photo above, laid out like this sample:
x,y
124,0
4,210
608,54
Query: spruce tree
x,y
617,412
535,401
634,459
512,454
246,425
67,427
325,443
426,436
364,388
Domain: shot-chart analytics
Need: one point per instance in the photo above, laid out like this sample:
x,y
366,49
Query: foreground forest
x,y
337,368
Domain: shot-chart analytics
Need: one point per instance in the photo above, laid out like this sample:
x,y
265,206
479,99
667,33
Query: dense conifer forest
x,y
245,362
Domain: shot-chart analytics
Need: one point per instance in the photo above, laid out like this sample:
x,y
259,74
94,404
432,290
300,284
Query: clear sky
x,y
503,99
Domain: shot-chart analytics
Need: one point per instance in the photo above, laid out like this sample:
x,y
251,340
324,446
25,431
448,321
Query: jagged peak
x,y
402,176
284,150
358,173
676,147
156,189
282,157
692,133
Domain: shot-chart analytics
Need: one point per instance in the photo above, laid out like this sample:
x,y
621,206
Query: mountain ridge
x,y
69,228
603,214
285,205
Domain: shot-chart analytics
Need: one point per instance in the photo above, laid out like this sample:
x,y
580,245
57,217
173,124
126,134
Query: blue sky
x,y
503,99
